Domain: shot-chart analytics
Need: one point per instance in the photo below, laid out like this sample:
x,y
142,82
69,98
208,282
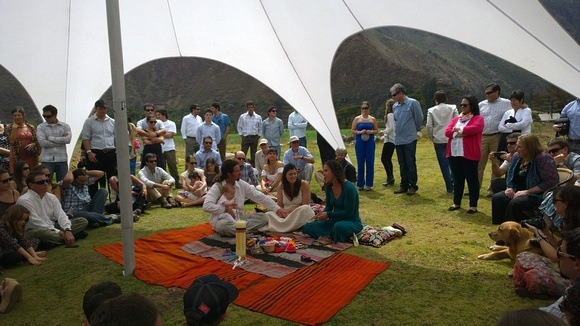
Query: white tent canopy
x,y
58,49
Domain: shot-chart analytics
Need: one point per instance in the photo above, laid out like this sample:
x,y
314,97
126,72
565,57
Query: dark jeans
x,y
406,155
387,160
441,152
464,169
506,209
60,168
250,142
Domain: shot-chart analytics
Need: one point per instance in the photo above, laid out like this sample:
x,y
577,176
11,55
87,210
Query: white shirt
x,y
243,191
250,125
438,117
297,125
492,114
169,144
158,176
44,212
189,125
524,117
389,132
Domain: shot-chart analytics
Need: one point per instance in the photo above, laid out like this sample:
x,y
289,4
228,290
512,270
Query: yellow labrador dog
x,y
516,239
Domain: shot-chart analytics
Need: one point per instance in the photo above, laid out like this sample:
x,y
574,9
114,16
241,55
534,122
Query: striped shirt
x,y
53,143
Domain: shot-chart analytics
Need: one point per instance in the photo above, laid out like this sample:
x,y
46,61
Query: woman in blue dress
x,y
340,219
364,127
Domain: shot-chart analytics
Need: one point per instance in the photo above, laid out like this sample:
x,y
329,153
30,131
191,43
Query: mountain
x,y
364,68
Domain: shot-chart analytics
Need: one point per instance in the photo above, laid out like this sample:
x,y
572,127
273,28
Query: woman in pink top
x,y
464,151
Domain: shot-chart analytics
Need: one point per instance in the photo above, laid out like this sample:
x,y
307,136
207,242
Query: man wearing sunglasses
x,y
568,254
492,110
159,183
272,129
559,150
47,221
500,168
207,152
53,135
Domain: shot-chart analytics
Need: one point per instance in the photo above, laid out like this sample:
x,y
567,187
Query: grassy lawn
x,y
435,277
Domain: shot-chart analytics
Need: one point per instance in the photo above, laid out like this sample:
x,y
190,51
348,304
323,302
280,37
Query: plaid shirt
x,y
248,174
76,197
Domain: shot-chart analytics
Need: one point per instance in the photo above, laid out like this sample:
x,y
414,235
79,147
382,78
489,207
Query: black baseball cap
x,y
209,297
101,104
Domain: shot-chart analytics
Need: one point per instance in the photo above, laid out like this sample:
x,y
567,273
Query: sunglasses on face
x,y
464,105
395,94
152,122
560,254
511,143
41,182
241,158
555,150
364,108
26,168
151,161
207,142
193,163
149,110
47,116
5,181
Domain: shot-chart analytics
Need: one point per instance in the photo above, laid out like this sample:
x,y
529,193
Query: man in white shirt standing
x,y
492,111
297,125
47,221
250,129
168,146
53,135
438,117
189,125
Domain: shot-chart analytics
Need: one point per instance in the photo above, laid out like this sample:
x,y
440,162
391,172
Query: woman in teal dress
x,y
340,219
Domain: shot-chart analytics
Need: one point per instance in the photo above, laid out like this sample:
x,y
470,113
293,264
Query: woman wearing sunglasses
x,y
8,195
152,141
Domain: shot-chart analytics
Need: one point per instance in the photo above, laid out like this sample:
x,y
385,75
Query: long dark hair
x,y
18,175
337,170
212,160
288,190
473,104
571,196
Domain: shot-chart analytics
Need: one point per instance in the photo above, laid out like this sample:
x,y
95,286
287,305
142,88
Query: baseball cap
x,y
264,141
293,139
209,297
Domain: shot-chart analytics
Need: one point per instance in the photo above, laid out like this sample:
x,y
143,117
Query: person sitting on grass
x,y
211,172
159,183
138,195
191,166
224,225
96,295
130,309
194,191
340,218
14,246
47,221
77,202
207,299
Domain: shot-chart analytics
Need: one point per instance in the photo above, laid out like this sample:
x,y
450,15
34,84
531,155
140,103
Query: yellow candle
x,y
241,238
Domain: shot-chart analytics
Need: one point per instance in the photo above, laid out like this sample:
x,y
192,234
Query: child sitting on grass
x,y
194,191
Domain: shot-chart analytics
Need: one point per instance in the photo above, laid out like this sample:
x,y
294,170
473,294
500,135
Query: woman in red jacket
x,y
464,151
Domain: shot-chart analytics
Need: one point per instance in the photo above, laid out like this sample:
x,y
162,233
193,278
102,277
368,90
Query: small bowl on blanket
x,y
269,246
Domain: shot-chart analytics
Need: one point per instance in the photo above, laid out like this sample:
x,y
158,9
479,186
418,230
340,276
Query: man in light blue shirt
x,y
572,112
209,129
301,158
272,129
297,125
408,120
223,121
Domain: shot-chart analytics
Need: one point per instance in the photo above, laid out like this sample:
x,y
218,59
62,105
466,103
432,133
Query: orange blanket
x,y
300,297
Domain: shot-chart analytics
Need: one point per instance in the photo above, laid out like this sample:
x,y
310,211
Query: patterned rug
x,y
301,297
270,264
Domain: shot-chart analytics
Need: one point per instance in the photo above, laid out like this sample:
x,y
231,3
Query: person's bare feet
x,y
41,254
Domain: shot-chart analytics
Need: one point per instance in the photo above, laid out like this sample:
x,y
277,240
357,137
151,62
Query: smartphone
x,y
498,154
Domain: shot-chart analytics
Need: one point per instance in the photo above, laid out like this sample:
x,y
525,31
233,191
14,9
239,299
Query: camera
x,y
498,155
538,223
536,219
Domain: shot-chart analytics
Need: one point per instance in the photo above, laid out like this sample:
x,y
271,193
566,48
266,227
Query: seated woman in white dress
x,y
271,173
293,197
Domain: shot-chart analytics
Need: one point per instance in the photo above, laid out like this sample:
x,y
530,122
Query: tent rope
x,y
173,27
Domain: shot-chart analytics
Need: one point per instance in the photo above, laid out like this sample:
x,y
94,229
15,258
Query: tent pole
x,y
121,134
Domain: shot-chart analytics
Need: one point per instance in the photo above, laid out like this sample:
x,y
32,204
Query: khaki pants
x,y
78,224
488,144
153,194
